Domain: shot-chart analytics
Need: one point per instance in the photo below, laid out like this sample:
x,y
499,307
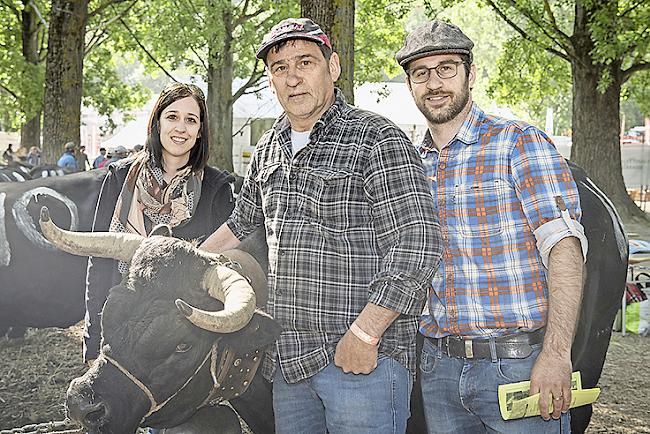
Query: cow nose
x,y
79,401
91,416
94,415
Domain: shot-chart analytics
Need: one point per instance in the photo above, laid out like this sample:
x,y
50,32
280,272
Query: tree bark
x,y
64,76
336,18
30,133
596,119
220,100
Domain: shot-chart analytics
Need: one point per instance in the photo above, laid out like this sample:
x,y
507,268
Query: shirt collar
x,y
334,111
470,129
468,133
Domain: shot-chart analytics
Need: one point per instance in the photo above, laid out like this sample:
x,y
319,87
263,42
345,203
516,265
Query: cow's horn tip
x,y
45,214
185,308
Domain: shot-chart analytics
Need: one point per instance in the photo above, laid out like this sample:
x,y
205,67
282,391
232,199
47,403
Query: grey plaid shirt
x,y
349,220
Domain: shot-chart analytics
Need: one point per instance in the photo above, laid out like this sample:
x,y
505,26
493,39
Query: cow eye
x,y
183,347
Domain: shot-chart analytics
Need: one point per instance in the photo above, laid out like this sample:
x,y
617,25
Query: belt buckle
x,y
469,349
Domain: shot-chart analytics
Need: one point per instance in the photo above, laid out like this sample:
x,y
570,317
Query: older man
x,y
504,305
353,244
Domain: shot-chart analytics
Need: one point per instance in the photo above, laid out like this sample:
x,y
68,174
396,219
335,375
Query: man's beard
x,y
445,114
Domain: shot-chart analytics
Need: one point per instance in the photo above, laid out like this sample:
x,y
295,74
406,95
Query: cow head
x,y
154,363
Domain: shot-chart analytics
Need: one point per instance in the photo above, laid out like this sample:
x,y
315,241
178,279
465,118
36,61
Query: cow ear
x,y
162,230
261,331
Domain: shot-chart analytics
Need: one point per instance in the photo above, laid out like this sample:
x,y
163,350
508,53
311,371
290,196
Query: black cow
x,y
605,282
155,367
45,171
41,286
606,272
14,173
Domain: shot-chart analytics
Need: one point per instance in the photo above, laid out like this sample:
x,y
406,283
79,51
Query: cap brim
x,y
415,56
264,49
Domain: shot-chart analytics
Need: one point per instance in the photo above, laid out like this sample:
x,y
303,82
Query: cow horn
x,y
247,266
101,244
238,298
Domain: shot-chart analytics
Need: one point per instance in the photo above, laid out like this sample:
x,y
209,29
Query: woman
x,y
34,156
167,182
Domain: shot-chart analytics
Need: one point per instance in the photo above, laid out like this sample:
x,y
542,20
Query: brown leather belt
x,y
516,346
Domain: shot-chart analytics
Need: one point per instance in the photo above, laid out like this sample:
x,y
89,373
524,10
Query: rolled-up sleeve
x,y
248,215
543,183
406,225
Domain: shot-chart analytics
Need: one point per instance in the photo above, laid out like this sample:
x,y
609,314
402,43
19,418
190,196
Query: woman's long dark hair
x,y
201,151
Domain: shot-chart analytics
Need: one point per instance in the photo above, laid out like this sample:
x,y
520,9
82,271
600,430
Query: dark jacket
x,y
215,205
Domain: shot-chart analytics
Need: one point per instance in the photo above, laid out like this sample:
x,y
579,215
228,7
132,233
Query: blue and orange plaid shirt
x,y
495,186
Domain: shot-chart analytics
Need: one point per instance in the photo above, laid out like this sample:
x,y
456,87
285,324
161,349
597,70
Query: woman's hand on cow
x,y
354,355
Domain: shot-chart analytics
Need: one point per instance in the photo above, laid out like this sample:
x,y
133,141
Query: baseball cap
x,y
434,37
119,150
292,28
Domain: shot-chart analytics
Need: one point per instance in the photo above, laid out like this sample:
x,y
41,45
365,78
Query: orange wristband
x,y
363,336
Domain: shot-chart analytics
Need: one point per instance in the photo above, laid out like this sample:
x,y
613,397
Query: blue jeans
x,y
338,403
460,395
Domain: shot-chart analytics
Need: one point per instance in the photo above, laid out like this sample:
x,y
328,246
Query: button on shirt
x,y
495,186
349,220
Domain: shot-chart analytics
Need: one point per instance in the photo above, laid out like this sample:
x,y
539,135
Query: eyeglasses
x,y
444,70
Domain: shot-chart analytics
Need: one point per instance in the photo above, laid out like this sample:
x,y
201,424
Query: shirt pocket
x,y
480,207
337,200
269,181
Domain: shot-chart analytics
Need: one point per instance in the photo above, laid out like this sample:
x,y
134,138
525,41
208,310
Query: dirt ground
x,y
35,373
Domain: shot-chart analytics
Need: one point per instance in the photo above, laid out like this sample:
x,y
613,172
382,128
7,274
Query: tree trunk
x,y
64,76
319,11
336,18
219,100
30,133
596,120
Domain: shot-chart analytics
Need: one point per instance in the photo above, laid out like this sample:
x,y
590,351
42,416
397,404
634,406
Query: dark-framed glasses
x,y
444,70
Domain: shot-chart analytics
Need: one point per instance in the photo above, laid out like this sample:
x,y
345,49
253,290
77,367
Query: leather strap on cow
x,y
232,375
154,405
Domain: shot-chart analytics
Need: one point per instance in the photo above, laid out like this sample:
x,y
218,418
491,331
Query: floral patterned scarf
x,y
145,194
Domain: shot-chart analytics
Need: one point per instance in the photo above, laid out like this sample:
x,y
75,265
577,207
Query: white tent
x,y
391,100
131,134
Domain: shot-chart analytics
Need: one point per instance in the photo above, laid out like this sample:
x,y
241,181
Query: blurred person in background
x,y
8,154
100,158
67,161
82,159
34,156
115,154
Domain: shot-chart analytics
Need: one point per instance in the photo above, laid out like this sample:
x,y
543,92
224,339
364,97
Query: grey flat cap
x,y
435,37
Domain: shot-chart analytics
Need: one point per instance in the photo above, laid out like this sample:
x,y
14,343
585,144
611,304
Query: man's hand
x,y
354,355
551,378
90,362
